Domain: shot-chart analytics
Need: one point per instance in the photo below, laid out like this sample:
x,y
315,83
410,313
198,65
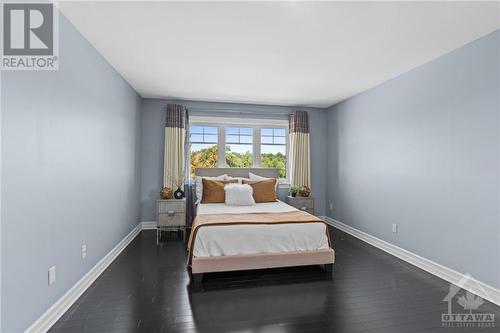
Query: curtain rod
x,y
236,111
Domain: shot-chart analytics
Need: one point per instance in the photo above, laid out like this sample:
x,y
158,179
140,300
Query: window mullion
x,y
256,147
287,155
221,147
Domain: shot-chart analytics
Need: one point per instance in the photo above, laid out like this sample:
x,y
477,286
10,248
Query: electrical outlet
x,y
394,228
52,275
84,251
331,206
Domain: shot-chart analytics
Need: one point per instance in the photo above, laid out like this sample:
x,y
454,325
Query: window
x,y
239,143
203,141
273,149
239,147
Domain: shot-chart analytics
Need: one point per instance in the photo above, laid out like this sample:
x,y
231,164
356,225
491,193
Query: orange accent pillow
x,y
213,190
263,190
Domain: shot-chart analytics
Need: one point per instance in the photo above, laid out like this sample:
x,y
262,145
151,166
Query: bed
x,y
266,235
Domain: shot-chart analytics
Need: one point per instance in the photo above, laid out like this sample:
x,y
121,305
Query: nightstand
x,y
303,203
171,215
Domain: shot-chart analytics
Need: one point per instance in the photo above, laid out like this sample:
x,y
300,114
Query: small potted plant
x,y
294,190
305,191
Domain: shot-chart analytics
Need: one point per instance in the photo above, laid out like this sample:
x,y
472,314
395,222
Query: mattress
x,y
260,238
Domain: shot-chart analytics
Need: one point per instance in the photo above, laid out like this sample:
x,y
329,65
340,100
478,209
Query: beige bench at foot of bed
x,y
241,262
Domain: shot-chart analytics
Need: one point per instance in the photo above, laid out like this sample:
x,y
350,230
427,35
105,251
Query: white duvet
x,y
250,239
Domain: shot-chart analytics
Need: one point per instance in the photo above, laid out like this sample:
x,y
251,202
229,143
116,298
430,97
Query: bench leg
x,y
197,278
329,271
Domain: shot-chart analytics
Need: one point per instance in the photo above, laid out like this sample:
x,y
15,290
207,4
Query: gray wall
x,y
153,120
70,171
423,151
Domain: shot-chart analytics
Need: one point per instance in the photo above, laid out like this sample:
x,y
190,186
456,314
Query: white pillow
x,y
254,177
199,184
239,195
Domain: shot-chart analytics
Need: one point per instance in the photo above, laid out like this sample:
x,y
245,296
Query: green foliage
x,y
277,160
237,160
203,158
207,158
294,189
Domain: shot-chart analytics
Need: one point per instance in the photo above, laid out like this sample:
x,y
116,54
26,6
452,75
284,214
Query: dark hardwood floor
x,y
147,289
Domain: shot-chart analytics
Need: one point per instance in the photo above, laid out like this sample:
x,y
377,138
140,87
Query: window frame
x,y
190,143
203,135
224,146
256,124
286,179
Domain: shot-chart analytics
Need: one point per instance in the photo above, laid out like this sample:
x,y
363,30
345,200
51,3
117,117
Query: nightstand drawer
x,y
304,204
171,206
172,219
301,203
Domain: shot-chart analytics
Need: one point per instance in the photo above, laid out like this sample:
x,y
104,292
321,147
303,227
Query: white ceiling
x,y
284,53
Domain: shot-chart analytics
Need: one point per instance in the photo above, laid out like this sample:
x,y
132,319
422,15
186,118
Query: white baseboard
x,y
148,225
50,317
464,281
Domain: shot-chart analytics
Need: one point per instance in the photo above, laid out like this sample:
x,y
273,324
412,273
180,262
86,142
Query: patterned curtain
x,y
300,165
175,141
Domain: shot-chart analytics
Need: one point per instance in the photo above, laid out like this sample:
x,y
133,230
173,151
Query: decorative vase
x,y
179,194
294,194
166,193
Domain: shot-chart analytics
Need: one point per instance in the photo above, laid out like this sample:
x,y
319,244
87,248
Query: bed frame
x,y
237,172
325,258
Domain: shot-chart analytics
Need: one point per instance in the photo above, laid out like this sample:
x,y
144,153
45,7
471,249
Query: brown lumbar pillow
x,y
213,190
263,190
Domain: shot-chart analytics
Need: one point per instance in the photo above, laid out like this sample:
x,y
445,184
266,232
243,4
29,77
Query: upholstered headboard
x,y
237,172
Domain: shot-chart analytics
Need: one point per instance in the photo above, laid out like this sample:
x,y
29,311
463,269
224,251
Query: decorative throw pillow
x,y
213,190
239,195
263,190
199,184
254,177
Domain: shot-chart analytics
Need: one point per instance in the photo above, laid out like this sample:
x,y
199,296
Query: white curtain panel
x,y
175,140
174,157
299,150
300,174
